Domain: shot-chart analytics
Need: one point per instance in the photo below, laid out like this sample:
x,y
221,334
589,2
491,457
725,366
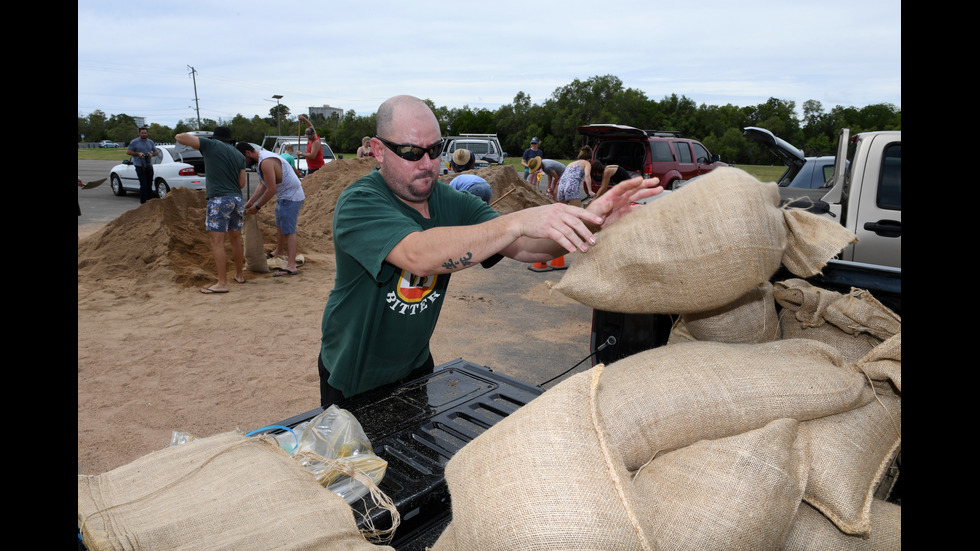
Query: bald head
x,y
398,111
407,120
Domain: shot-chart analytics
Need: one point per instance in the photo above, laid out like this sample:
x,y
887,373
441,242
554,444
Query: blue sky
x,y
136,59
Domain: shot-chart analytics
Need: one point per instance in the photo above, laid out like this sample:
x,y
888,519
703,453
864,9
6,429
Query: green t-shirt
x,y
222,163
379,318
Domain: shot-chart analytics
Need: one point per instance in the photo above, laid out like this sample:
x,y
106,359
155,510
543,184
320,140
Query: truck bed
x,y
417,427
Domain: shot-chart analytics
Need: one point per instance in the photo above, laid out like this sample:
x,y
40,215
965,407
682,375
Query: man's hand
x,y
621,199
566,225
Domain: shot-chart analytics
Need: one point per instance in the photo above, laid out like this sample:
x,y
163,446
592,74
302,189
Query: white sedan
x,y
173,166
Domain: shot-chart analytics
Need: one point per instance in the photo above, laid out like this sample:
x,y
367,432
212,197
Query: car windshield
x,y
477,148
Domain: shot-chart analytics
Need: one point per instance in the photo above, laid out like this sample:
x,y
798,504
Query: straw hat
x,y
462,157
534,163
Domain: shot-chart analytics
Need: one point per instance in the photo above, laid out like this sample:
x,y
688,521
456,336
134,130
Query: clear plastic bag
x,y
334,447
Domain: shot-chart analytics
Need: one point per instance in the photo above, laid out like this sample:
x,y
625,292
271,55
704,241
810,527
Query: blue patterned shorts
x,y
570,183
225,213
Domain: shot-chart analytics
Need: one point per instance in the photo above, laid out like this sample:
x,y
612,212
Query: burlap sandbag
x,y
544,478
672,396
851,452
852,346
884,363
281,261
679,333
811,531
854,323
740,492
699,248
751,319
226,491
446,540
255,260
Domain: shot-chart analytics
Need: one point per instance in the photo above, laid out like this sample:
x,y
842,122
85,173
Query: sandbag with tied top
x,y
700,247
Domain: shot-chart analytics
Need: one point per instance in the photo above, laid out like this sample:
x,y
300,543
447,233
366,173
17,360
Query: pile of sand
x,y
165,242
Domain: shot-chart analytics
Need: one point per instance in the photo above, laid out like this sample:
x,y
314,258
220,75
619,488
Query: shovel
x,y
502,196
93,183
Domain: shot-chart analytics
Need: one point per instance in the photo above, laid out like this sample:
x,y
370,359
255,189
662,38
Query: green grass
x,y
764,173
117,154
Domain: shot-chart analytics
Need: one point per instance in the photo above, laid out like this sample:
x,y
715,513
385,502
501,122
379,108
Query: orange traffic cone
x,y
558,263
540,267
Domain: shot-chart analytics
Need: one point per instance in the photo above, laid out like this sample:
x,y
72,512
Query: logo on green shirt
x,y
414,293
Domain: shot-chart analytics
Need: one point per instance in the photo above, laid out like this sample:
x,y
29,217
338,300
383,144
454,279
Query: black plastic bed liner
x,y
417,427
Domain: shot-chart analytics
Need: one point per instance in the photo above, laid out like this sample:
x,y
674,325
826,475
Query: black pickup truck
x,y
417,427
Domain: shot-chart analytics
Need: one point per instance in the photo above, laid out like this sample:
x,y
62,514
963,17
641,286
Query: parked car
x,y
802,172
172,167
651,153
107,143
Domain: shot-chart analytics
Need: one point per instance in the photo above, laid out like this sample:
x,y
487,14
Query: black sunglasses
x,y
411,152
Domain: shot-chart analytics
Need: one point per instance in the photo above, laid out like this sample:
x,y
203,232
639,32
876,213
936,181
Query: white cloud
x,y
354,56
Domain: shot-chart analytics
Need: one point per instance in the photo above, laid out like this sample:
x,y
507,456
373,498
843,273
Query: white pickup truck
x,y
485,147
865,196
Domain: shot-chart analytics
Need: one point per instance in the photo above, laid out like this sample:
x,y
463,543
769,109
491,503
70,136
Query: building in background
x,y
326,111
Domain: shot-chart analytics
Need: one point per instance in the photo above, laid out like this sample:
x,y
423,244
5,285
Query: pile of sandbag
x,y
750,429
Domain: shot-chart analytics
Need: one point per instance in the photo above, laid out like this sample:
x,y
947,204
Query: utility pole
x,y
196,104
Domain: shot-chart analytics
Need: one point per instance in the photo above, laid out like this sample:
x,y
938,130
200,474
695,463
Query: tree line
x,y
599,99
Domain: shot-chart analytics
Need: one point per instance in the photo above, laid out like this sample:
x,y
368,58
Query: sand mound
x,y
164,241
509,188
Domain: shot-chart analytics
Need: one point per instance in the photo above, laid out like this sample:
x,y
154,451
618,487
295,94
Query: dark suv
x,y
665,155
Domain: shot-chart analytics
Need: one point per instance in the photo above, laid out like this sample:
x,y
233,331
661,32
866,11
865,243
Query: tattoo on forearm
x,y
463,261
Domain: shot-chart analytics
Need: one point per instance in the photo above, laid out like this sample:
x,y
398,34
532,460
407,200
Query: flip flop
x,y
243,281
284,272
210,291
269,254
